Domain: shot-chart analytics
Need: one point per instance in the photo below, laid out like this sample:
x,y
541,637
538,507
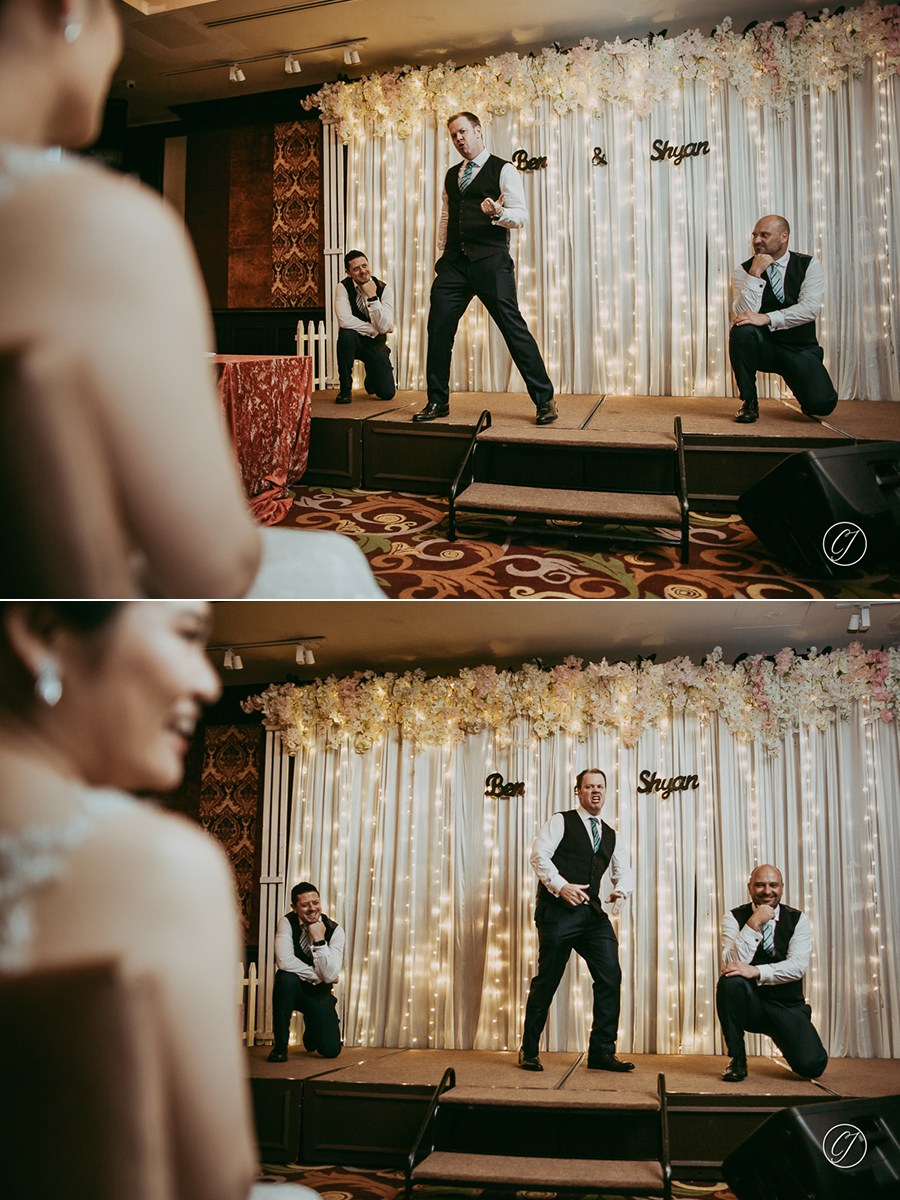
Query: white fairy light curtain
x,y
711,771
624,267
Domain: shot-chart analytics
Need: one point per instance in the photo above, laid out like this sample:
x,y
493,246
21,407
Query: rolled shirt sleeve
x,y
327,959
381,312
740,945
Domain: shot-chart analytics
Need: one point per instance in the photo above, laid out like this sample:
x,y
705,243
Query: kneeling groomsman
x,y
766,947
309,953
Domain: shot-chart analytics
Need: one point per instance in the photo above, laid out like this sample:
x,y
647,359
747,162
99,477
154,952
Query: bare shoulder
x,y
165,863
88,198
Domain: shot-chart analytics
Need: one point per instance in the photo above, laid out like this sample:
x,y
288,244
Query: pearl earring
x,y
47,682
72,31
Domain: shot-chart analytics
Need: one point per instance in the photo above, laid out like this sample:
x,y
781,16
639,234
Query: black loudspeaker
x,y
849,1150
826,511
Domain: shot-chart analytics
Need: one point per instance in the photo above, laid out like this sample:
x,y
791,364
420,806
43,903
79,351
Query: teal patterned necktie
x,y
595,833
466,177
768,937
774,276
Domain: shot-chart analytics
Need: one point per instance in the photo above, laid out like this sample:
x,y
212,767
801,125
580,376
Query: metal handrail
x,y
448,1080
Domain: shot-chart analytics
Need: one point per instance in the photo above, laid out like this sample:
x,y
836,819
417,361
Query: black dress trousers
x,y
493,281
743,1007
752,348
590,934
374,353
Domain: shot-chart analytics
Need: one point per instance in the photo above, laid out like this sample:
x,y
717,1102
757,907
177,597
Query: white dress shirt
x,y
544,848
381,312
515,210
741,944
748,292
327,959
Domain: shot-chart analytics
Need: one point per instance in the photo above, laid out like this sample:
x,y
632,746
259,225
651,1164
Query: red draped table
x,y
267,403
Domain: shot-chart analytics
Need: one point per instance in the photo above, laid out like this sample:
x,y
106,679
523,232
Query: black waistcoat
x,y
786,993
299,952
576,861
468,228
353,297
800,335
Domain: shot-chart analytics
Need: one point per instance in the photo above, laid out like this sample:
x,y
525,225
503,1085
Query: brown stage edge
x,y
376,445
365,1108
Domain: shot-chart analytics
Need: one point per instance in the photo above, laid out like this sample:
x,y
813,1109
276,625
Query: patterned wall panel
x,y
296,261
229,802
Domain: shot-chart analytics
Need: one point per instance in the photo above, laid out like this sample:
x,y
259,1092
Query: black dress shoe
x,y
607,1062
737,1069
546,413
343,398
748,412
277,1054
431,411
529,1062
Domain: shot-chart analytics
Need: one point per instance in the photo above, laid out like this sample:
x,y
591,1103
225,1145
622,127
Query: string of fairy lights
x,y
623,266
432,882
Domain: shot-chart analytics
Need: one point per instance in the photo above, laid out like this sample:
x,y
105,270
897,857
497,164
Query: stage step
x,y
561,503
493,1170
593,1139
551,435
524,1097
658,502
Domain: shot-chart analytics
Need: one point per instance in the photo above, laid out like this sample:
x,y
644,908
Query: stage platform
x,y
365,1107
375,445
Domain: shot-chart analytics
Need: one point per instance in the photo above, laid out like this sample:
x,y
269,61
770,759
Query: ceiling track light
x,y
853,623
291,66
864,618
236,75
228,660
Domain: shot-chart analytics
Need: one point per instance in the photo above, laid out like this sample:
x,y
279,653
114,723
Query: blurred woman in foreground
x,y
98,699
106,399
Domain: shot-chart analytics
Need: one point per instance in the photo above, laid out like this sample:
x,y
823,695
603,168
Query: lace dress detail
x,y
35,858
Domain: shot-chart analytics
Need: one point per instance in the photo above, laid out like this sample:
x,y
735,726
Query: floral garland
x,y
760,698
769,64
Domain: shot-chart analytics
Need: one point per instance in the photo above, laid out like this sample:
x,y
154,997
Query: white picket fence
x,y
312,343
247,1004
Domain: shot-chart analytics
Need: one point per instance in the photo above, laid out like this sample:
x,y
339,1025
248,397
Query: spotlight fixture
x,y
228,660
299,653
354,58
291,66
235,74
238,663
864,618
309,658
348,58
853,623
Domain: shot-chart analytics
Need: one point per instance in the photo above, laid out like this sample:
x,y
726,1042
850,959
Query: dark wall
x,y
222,791
229,210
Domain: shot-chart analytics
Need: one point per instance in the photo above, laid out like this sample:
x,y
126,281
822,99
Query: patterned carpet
x,y
353,1183
404,538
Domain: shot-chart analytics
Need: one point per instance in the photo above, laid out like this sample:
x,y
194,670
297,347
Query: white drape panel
x,y
624,270
432,882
